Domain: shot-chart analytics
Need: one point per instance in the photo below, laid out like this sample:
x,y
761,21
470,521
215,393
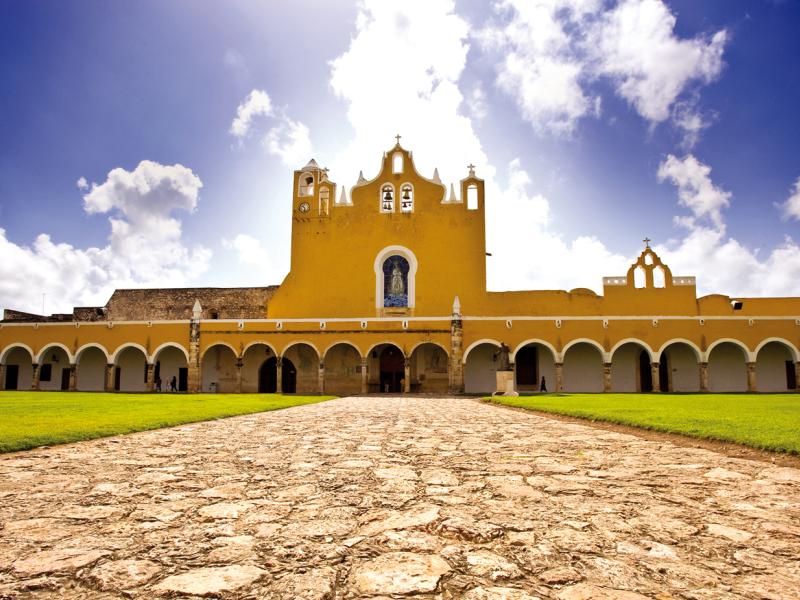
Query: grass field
x,y
31,419
767,421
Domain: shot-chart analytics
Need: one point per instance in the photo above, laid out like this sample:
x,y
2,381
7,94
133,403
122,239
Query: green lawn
x,y
768,421
31,419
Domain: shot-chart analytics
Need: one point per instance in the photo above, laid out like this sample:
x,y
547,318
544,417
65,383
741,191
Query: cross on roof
x,y
471,168
397,137
647,241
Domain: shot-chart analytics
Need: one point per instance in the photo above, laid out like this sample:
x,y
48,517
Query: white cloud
x,y
290,141
791,208
552,51
695,188
82,184
249,250
687,118
145,247
257,103
476,102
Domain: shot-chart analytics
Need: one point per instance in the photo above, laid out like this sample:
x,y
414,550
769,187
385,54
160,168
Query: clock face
x,y
304,207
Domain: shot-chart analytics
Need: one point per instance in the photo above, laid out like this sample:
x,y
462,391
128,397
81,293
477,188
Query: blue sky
x,y
595,123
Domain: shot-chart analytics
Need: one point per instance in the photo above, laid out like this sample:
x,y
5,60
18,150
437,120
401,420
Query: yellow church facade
x,y
387,294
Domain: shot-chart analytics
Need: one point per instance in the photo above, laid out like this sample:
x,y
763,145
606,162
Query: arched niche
x,y
583,367
386,275
342,369
533,362
429,369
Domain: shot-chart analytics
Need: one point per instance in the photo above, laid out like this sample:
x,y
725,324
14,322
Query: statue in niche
x,y
397,287
503,356
395,282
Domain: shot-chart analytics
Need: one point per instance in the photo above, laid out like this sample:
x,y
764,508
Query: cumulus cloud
x,y
695,188
248,249
145,246
553,51
287,139
257,103
791,208
82,184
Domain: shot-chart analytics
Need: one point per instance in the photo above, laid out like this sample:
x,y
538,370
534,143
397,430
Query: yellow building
x,y
387,293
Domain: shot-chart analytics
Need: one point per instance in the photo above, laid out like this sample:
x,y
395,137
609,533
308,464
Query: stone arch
x,y
727,365
380,258
215,344
748,355
46,347
775,365
218,368
583,366
532,365
55,362
429,368
440,345
300,373
386,367
297,343
342,368
253,357
698,354
480,367
793,350
603,354
341,342
18,367
122,347
679,366
477,343
383,343
85,347
165,345
130,368
8,349
631,369
90,363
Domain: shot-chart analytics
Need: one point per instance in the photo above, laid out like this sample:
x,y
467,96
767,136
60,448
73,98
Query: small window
x,y
648,258
46,372
387,198
406,198
472,197
397,163
214,314
324,200
737,305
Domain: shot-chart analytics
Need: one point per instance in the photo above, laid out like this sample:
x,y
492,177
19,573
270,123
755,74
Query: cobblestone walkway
x,y
391,497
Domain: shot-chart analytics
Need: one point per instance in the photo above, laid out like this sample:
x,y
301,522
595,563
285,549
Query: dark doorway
x,y
288,377
117,378
392,365
183,379
64,380
791,376
645,372
527,362
12,377
663,374
268,376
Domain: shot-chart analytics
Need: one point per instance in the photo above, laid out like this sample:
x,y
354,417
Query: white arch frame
x,y
85,347
381,191
400,197
377,266
604,356
698,354
748,355
152,358
258,343
225,344
54,345
344,343
297,343
303,187
521,345
417,345
642,343
477,343
793,351
122,347
391,343
7,350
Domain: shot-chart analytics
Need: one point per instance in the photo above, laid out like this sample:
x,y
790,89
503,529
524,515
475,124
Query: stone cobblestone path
x,y
395,497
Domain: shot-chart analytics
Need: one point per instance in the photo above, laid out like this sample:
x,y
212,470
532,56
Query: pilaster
x,y
703,376
35,379
321,377
752,385
456,364
110,377
406,375
364,376
239,365
151,377
606,377
559,376
655,374
279,375
193,375
73,377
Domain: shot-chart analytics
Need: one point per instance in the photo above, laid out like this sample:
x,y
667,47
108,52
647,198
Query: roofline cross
x,y
647,241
